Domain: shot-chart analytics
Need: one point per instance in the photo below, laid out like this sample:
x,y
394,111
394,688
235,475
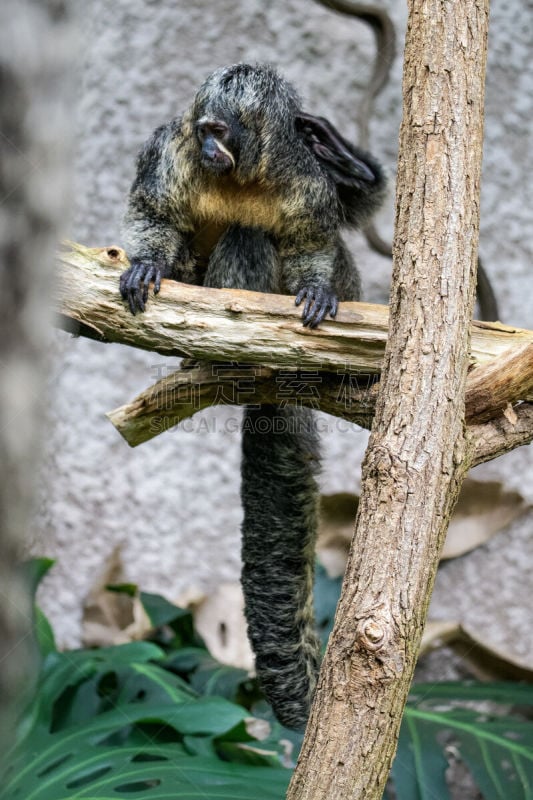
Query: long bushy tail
x,y
280,496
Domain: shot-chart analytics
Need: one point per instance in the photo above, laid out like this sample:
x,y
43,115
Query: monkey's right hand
x,y
134,283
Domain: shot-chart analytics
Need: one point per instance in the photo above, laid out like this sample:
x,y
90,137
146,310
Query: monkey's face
x,y
219,142
242,117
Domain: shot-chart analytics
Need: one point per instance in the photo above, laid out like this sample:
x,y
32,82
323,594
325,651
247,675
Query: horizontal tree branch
x,y
506,379
234,325
510,430
184,392
187,391
259,352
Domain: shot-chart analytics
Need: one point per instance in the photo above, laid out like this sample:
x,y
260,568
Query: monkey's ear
x,y
342,160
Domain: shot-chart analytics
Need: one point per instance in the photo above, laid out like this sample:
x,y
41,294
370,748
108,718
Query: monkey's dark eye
x,y
217,129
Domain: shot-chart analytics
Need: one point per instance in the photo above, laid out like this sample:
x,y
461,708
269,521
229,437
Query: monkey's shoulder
x,y
160,160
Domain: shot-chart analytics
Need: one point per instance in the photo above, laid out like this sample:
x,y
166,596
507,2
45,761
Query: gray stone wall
x,y
172,505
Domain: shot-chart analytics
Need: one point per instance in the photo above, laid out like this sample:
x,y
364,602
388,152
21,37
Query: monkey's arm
x,y
310,242
351,187
154,243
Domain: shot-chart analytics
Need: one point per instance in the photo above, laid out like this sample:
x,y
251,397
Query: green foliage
x,y
34,571
155,720
114,723
496,746
162,719
327,593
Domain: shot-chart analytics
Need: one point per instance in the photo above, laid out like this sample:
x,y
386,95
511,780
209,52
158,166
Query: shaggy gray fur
x,y
247,191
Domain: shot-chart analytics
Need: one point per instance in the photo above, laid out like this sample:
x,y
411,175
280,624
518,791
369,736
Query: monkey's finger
x,y
123,282
129,295
308,293
135,274
308,312
139,297
157,282
334,306
133,299
129,276
131,303
320,308
319,312
300,296
150,275
133,288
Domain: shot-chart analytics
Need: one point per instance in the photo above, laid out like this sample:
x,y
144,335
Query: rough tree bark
x,y
36,51
327,368
417,455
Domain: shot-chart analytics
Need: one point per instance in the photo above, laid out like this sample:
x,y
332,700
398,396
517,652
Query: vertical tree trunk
x,y
415,461
35,62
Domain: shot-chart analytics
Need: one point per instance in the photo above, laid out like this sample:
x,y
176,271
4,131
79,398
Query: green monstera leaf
x,y
496,746
113,723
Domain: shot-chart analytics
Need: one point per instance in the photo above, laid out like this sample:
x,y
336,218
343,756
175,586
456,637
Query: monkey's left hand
x,y
319,301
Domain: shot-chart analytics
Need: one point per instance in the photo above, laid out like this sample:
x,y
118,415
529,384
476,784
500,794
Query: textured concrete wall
x,y
173,503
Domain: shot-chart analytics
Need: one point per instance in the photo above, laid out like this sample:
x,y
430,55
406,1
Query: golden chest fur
x,y
226,203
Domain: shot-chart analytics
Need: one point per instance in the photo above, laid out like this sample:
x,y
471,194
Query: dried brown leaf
x,y
485,661
112,617
221,623
484,509
337,519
